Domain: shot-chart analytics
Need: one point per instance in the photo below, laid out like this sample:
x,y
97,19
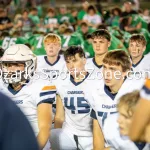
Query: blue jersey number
x,y
104,115
81,107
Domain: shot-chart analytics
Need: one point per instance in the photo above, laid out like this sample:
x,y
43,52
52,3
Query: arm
x,y
60,113
44,122
141,119
98,138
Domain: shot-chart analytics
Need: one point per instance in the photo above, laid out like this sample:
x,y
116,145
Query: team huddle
x,y
78,103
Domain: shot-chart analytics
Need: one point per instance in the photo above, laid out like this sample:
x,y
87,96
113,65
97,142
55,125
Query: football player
x,y
53,63
31,95
117,136
72,110
140,127
140,63
116,82
101,40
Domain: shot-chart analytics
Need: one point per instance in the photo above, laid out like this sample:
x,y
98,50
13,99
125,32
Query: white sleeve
x,y
98,19
47,94
85,17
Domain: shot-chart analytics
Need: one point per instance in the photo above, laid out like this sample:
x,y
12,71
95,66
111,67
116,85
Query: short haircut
x,y
116,9
118,58
91,7
130,100
84,24
72,51
51,10
1,52
101,33
34,9
138,38
25,11
51,37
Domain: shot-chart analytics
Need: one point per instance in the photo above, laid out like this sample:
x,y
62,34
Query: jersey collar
x,y
45,57
135,65
108,92
77,83
11,90
98,66
140,145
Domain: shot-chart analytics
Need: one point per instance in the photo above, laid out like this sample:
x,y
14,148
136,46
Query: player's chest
x,y
23,98
74,100
103,102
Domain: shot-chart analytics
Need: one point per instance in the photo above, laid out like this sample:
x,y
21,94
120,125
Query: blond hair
x,y
52,38
130,100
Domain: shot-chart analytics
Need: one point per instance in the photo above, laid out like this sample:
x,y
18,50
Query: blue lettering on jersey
x,y
109,106
19,102
82,106
75,92
104,115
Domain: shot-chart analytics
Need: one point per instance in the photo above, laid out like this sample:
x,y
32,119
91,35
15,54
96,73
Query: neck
x,y
115,88
99,58
17,86
52,59
136,60
80,77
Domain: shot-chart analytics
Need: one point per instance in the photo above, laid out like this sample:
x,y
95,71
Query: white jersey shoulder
x,y
115,140
52,70
34,93
92,66
104,103
143,65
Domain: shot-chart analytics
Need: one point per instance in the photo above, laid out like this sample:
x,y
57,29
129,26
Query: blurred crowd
x,y
74,25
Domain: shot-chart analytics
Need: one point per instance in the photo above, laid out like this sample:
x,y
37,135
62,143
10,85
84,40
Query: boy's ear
x,y
144,48
109,43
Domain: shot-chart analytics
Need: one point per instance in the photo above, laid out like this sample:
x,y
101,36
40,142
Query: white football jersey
x,y
51,70
143,66
92,67
29,97
145,91
117,141
104,103
77,109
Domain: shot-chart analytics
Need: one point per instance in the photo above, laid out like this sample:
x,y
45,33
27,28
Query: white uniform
x,y
145,91
117,141
104,103
52,70
143,66
77,116
29,97
92,67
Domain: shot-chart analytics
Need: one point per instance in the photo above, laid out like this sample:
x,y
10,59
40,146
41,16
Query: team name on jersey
x,y
48,70
109,106
19,102
75,92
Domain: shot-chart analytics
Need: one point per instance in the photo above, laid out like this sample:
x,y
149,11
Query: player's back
x,y
116,140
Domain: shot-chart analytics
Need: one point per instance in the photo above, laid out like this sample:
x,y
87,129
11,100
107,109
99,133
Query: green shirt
x,y
81,14
65,18
116,44
69,40
35,19
36,41
9,41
